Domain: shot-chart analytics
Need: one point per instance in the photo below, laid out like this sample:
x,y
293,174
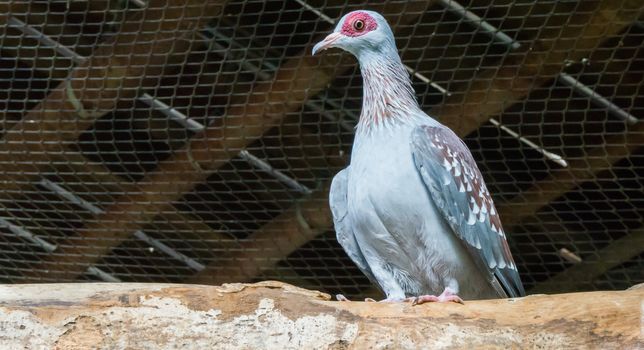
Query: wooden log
x,y
279,316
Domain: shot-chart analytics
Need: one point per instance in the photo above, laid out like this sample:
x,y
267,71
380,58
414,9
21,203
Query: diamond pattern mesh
x,y
194,141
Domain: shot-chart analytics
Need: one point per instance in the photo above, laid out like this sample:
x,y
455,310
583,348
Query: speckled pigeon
x,y
412,210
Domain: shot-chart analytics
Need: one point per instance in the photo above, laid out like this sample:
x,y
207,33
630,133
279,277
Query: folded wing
x,y
454,182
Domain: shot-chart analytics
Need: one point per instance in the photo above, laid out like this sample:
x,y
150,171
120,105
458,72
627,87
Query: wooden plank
x,y
583,274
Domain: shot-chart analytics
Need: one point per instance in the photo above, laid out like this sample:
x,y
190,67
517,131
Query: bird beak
x,y
328,42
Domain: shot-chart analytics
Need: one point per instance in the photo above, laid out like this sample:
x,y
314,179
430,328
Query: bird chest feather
x,y
385,192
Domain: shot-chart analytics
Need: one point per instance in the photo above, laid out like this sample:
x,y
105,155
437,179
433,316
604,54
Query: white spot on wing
x,y
471,219
475,208
491,263
457,169
446,164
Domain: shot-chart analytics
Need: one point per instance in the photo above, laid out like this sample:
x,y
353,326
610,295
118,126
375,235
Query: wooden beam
x,y
135,58
89,172
53,67
149,39
279,316
247,119
86,173
583,274
507,85
273,242
561,181
536,63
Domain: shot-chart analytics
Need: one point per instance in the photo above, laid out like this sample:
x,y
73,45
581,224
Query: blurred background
x,y
194,141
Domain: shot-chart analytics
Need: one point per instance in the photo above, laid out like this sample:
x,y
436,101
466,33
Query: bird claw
x,y
447,296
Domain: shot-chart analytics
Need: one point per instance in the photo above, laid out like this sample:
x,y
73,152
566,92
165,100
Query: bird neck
x,y
388,97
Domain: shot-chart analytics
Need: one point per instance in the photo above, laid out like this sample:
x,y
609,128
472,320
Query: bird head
x,y
360,33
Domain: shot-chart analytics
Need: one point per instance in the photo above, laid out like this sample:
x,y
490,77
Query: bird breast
x,y
393,215
386,195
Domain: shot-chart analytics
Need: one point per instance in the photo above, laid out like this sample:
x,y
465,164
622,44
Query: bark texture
x,y
273,315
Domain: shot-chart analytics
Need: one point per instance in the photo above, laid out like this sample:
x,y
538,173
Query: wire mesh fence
x,y
194,141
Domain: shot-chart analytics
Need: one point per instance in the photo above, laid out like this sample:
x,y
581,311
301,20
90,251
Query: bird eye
x,y
358,25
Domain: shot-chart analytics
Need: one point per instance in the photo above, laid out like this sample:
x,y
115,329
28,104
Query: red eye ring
x,y
358,23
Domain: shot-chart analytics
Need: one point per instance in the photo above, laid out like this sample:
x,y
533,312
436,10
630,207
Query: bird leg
x,y
447,296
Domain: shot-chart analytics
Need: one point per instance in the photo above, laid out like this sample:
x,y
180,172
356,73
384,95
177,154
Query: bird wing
x,y
342,223
455,184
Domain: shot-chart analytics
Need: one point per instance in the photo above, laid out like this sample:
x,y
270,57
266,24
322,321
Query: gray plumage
x,y
412,210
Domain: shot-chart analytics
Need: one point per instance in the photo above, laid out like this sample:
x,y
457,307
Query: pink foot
x,y
448,295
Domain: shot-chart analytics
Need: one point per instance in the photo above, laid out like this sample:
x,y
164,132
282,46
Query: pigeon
x,y
412,210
